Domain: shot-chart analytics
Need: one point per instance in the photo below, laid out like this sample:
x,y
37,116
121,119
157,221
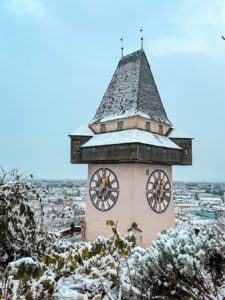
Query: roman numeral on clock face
x,y
113,198
158,191
93,197
159,174
104,189
113,181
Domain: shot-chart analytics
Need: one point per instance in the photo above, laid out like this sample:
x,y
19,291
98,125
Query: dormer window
x,y
160,129
148,125
102,128
119,125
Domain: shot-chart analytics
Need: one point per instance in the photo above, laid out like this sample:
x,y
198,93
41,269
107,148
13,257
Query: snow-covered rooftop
x,y
83,131
132,90
130,136
179,134
128,114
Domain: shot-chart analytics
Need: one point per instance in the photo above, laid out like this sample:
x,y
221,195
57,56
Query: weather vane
x,y
141,31
122,45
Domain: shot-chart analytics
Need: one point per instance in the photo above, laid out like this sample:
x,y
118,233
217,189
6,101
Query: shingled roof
x,y
132,91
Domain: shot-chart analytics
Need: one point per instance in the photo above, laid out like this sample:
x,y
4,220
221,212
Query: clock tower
x,y
130,147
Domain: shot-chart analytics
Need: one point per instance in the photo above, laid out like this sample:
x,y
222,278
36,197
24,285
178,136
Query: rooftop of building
x,y
132,91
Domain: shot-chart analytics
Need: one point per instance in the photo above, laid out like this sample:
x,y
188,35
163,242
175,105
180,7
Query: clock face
x,y
158,191
104,189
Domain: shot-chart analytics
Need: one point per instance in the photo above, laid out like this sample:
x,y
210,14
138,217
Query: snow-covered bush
x,y
28,279
179,264
89,269
20,233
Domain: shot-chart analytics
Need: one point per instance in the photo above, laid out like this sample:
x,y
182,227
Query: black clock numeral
x,y
155,206
113,198
102,205
104,172
159,174
150,200
96,203
92,189
167,184
113,181
93,197
114,190
167,199
160,208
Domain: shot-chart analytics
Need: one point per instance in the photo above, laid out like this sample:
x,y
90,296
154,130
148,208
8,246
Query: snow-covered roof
x,y
83,131
210,199
128,114
132,91
130,136
179,134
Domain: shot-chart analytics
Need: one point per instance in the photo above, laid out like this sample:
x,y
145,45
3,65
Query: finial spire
x,y
122,45
141,31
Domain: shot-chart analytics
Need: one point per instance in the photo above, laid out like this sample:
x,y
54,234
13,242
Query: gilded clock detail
x,y
104,189
158,191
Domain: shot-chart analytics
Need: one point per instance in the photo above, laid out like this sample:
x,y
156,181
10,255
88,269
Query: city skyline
x,y
57,61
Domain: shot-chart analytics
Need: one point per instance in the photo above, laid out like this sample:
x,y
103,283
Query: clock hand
x,y
163,183
105,181
103,184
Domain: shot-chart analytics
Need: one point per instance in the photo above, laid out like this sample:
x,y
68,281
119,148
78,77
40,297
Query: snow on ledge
x,y
83,131
130,136
179,134
128,114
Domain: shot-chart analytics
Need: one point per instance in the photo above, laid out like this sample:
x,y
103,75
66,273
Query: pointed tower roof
x,y
132,91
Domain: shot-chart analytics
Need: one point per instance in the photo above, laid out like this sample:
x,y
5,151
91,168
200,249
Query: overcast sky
x,y
57,58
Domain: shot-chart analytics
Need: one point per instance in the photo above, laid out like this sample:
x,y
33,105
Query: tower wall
x,y
131,206
131,123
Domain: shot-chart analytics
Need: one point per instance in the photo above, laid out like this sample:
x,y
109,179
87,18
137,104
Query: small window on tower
x,y
186,151
160,129
148,125
77,146
119,125
102,128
